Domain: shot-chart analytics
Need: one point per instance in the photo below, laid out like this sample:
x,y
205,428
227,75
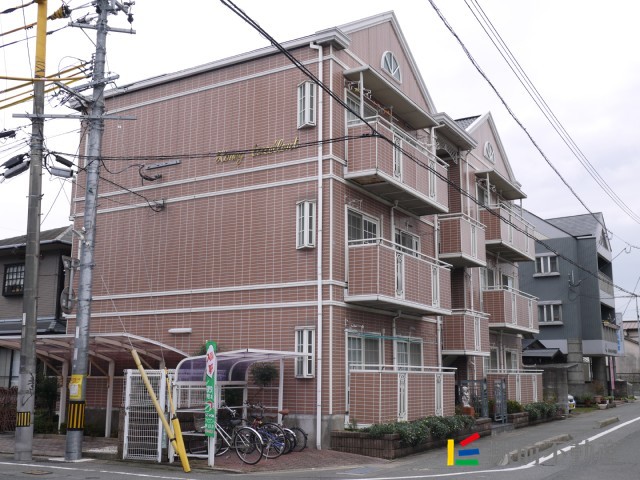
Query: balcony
x,y
465,332
462,241
606,289
409,175
385,276
508,234
511,310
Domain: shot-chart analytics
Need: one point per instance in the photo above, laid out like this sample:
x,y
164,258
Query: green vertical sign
x,y
210,390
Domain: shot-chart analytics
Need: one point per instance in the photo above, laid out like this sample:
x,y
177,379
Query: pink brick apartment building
x,y
287,225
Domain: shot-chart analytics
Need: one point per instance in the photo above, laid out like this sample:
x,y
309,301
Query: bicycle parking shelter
x,y
232,372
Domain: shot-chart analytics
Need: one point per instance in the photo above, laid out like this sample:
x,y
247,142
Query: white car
x,y
572,402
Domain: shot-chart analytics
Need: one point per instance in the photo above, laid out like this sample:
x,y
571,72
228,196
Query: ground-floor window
x,y
363,352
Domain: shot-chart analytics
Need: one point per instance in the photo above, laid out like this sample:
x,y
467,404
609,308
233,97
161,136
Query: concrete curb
x,y
533,450
606,421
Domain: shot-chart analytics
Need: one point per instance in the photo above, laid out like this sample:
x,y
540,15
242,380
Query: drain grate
x,y
37,472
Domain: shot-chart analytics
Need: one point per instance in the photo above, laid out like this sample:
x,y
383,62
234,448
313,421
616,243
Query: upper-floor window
x,y
305,343
13,282
407,242
489,153
306,224
483,195
306,104
547,264
361,227
363,352
391,66
549,312
354,106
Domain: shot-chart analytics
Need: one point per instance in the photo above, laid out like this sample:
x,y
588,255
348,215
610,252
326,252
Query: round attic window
x,y
391,66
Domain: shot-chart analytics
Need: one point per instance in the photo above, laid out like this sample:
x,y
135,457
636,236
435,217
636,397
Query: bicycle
x,y
299,434
245,441
276,441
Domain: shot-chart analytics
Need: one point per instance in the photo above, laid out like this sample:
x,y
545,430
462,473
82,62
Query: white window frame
x,y
365,347
306,104
306,224
546,312
354,103
411,357
365,220
305,343
389,63
543,265
407,242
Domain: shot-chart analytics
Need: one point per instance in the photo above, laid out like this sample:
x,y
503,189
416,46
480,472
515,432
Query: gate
x,y
143,433
500,396
475,393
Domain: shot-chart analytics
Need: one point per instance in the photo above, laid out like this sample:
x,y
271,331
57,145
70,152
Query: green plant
x,y
514,406
263,373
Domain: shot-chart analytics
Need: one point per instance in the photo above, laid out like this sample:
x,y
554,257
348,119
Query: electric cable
x,y
542,105
251,22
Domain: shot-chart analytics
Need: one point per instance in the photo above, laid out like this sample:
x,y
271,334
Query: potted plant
x,y
263,373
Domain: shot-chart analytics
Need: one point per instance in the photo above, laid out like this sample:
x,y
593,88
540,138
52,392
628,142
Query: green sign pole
x,y
210,394
210,400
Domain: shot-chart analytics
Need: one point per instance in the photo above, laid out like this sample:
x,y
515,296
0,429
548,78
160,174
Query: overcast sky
x,y
581,56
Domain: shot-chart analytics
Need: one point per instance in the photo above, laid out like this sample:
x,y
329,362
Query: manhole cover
x,y
37,472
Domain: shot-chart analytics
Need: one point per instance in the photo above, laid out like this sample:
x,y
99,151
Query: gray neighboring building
x,y
54,244
576,310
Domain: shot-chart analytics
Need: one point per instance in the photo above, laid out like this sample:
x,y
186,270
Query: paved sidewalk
x,y
53,446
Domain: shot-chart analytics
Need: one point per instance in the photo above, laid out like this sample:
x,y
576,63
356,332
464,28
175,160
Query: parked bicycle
x,y
244,440
276,440
299,434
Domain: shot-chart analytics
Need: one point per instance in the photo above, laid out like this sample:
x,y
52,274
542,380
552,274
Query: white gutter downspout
x,y
436,224
319,256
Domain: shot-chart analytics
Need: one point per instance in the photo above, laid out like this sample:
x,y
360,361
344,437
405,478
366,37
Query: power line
x,y
540,102
512,113
251,22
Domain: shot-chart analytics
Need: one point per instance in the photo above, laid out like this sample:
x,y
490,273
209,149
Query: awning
x,y
505,187
389,95
232,366
102,346
541,353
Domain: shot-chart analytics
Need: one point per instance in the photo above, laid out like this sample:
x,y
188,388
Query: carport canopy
x,y
232,367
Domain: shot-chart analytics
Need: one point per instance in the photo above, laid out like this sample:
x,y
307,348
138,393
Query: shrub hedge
x,y
419,431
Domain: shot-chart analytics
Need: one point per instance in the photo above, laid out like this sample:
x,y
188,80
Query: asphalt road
x,y
598,445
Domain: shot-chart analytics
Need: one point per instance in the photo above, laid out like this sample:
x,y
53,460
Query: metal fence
x,y
143,434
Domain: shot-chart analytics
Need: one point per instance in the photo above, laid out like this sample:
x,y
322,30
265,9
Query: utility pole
x,y
79,369
27,380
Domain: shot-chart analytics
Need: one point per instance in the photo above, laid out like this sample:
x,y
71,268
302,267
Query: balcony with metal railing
x,y
401,169
511,310
462,241
508,234
465,332
387,276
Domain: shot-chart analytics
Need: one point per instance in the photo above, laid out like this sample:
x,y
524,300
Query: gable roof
x,y
579,225
465,122
56,235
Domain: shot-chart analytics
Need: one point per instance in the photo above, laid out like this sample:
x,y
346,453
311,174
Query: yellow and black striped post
x,y
75,415
23,419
